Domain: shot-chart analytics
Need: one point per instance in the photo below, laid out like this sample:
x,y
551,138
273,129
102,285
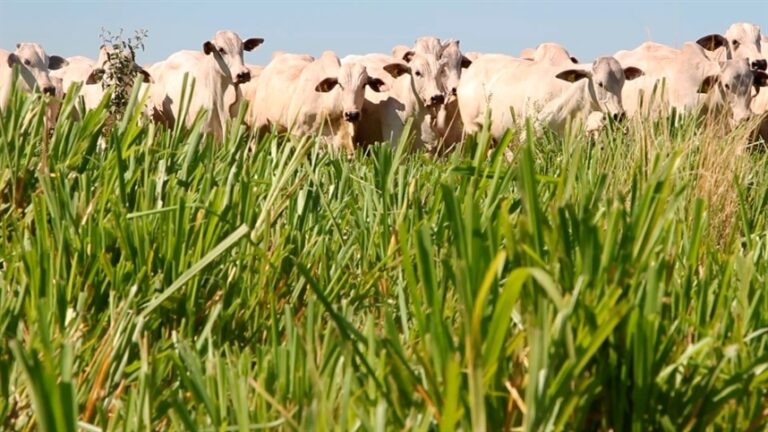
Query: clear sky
x,y
587,28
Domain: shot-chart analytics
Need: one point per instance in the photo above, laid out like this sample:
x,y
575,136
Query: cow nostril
x,y
760,64
352,116
50,90
437,99
619,117
453,91
243,77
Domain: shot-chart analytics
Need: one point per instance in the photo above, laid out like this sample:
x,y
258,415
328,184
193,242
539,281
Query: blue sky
x,y
587,28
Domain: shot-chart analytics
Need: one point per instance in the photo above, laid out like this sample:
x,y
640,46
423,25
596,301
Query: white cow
x,y
444,128
690,80
415,88
303,95
217,67
551,95
34,70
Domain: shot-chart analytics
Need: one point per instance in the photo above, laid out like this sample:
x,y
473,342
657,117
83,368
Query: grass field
x,y
166,282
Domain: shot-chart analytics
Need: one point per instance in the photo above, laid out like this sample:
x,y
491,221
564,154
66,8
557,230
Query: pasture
x,y
159,280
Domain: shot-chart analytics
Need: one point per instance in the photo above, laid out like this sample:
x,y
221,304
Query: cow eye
x,y
417,73
735,43
27,62
221,50
600,85
728,87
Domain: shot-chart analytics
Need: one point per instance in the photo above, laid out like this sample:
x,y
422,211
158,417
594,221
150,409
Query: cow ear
x,y
141,71
13,59
252,43
712,42
760,79
397,69
208,47
708,83
465,62
632,72
57,62
573,75
574,60
95,76
377,84
408,56
326,85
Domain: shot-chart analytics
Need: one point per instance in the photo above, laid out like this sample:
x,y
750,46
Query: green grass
x,y
164,281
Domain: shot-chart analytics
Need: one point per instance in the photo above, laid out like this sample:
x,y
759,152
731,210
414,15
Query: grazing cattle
x,y
690,80
436,127
415,88
217,67
551,95
34,70
302,95
447,124
740,41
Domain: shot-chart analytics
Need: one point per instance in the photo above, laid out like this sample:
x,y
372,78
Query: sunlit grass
x,y
165,281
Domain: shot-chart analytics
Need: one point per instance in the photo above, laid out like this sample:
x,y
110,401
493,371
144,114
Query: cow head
x,y
735,81
606,79
454,63
226,48
351,80
741,41
34,65
425,72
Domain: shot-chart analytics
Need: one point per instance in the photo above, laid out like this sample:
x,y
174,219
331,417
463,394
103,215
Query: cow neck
x,y
218,82
578,98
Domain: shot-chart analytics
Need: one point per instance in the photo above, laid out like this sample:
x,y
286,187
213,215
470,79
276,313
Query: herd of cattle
x,y
362,99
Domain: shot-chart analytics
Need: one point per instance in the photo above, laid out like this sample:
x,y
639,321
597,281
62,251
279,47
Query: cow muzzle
x,y
49,90
352,116
437,99
760,64
243,77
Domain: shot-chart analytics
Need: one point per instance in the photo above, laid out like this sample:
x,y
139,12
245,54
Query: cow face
x,y
351,80
454,63
426,72
606,80
34,65
226,48
735,82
